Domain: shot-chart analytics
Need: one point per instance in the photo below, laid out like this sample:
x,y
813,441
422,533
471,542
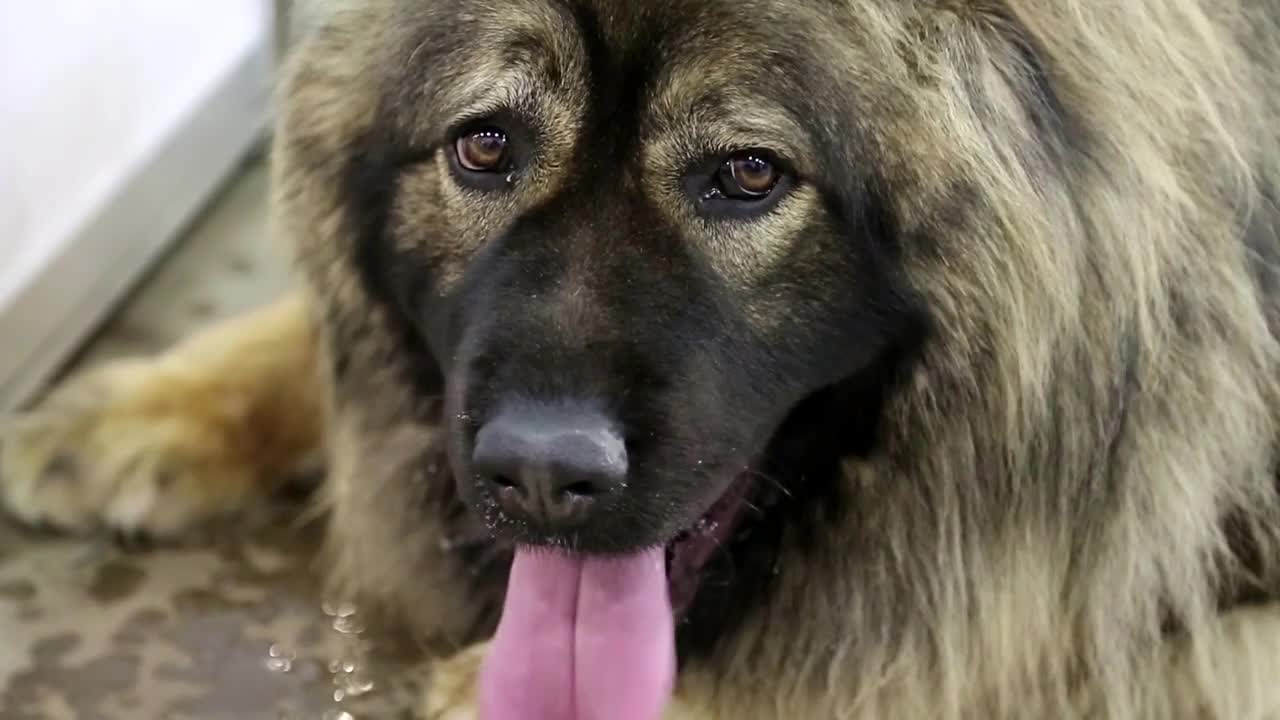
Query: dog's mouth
x,y
591,636
689,552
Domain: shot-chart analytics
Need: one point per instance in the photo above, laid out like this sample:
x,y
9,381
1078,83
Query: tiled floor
x,y
236,630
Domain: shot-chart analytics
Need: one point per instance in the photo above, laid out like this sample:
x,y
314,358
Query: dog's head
x,y
658,258
632,240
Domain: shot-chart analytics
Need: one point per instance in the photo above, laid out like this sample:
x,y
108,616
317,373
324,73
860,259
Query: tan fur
x,y
1048,291
159,445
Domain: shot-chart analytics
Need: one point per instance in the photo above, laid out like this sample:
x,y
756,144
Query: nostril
x,y
548,465
582,489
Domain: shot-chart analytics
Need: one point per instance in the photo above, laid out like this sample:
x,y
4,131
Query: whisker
x,y
774,482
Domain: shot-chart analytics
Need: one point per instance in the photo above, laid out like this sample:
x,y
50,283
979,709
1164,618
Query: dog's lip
x,y
691,549
688,551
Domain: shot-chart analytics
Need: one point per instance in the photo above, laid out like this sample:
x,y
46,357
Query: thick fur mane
x,y
1089,439
1079,466
1095,411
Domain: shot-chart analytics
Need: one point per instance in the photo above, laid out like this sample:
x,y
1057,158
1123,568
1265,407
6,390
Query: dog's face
x,y
650,222
650,255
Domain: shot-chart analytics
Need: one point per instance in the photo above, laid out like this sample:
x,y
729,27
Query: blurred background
x,y
133,209
121,124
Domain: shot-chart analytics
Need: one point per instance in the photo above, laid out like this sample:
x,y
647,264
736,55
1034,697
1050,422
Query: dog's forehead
x,y
665,44
742,70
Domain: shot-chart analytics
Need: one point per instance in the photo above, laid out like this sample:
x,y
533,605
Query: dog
x,y
755,359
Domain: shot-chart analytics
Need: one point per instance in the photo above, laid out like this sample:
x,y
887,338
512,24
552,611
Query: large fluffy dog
x,y
804,359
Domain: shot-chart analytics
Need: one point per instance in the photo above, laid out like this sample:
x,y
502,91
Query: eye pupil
x,y
483,150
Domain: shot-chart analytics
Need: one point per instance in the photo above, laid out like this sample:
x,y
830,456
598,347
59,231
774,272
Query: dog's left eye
x,y
483,150
741,184
747,176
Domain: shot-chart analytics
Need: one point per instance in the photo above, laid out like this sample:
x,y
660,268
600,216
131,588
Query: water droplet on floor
x,y
348,625
337,715
280,659
279,665
359,687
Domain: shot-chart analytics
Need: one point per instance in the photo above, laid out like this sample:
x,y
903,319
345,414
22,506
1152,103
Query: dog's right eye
x,y
483,150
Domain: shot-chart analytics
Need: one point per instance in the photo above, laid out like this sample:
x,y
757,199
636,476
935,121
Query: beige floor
x,y
233,630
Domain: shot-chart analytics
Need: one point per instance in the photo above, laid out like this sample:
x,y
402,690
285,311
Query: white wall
x,y
117,120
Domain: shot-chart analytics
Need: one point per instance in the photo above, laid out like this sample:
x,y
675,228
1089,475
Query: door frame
x,y
63,302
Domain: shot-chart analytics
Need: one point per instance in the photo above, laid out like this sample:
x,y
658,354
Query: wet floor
x,y
229,629
226,628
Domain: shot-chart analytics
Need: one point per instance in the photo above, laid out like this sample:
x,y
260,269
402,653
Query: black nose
x,y
552,466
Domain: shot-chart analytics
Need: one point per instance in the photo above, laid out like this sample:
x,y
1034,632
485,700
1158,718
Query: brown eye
x,y
748,176
483,150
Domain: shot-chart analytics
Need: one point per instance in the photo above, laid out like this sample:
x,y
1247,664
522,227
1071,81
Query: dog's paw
x,y
127,449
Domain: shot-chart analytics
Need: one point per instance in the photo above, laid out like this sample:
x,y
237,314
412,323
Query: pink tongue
x,y
581,638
